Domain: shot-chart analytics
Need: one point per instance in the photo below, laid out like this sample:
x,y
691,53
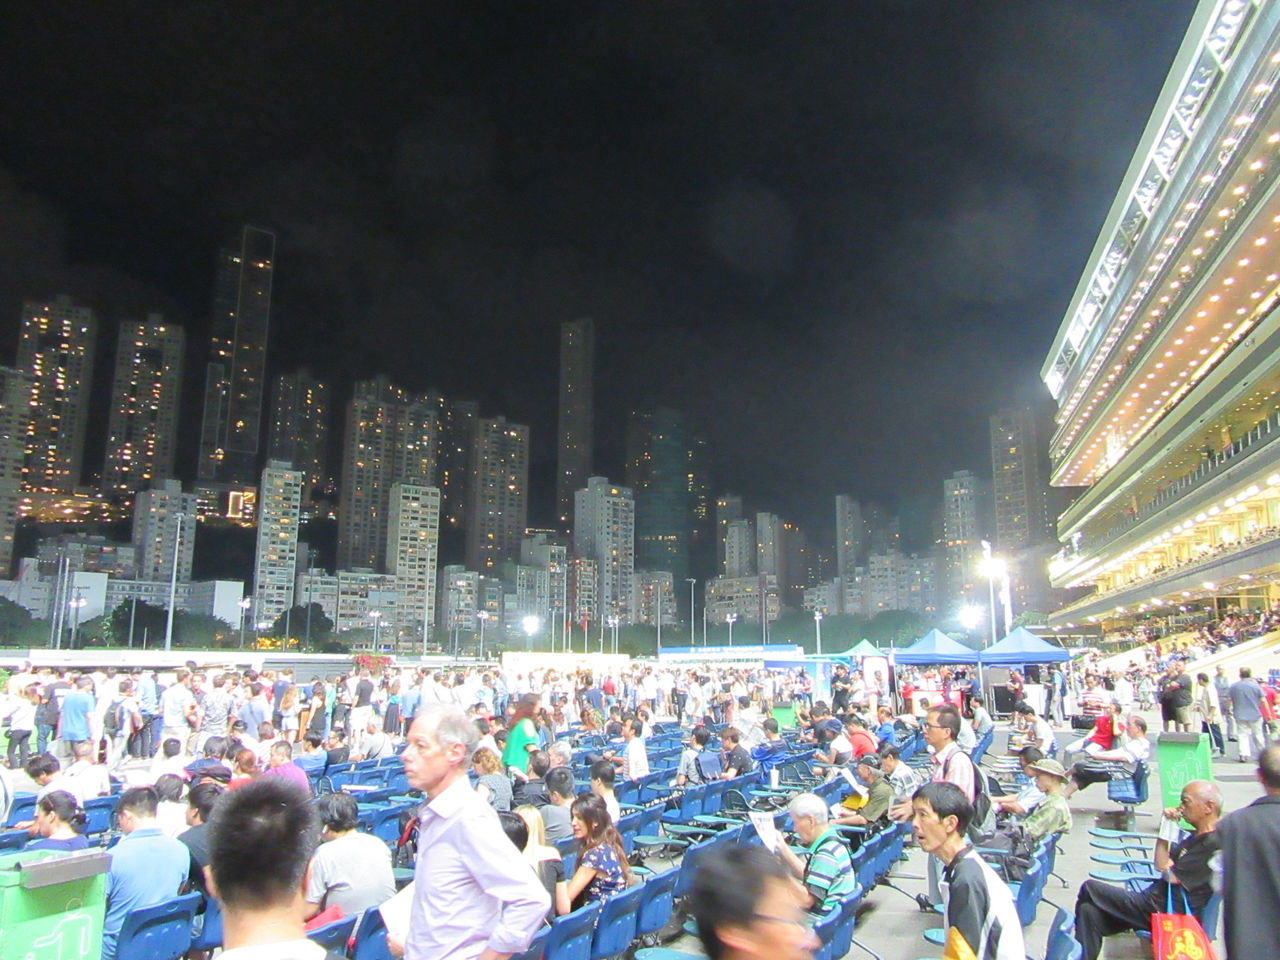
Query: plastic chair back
x,y
689,866
334,936
210,935
98,812
570,937
371,938
1029,891
22,809
536,951
657,902
825,928
158,932
1209,916
616,927
11,840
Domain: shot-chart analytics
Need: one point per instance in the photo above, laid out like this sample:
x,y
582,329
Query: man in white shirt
x,y
635,762
82,778
178,710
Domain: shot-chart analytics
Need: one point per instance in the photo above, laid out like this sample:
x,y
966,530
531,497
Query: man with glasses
x,y
1103,910
747,907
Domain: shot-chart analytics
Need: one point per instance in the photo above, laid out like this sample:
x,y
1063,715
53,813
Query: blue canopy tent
x,y
935,647
1022,646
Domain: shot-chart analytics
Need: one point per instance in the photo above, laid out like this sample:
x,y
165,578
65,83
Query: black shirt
x,y
1192,867
364,693
197,841
337,755
738,759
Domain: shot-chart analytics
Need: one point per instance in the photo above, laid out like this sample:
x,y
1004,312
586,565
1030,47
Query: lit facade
x,y
156,523
15,394
604,531
55,348
961,538
142,426
497,493
298,428
658,474
739,549
413,542
1166,366
276,554
748,599
235,377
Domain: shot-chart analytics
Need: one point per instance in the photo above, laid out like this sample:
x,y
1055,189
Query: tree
x,y
300,621
148,623
201,630
1030,618
18,628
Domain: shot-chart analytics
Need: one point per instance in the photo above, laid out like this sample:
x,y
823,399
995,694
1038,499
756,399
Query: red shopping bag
x,y
1179,936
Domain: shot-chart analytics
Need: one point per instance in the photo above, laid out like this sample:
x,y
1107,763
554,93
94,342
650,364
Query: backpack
x,y
114,720
984,815
709,765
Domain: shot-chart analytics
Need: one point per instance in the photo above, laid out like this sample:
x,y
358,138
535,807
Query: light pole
x,y
692,582
730,619
77,604
817,628
173,584
482,616
613,635
245,604
376,617
992,568
657,589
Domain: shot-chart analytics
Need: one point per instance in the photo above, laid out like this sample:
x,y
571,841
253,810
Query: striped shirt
x,y
829,875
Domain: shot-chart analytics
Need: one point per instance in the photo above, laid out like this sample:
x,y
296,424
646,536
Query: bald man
x,y
1103,910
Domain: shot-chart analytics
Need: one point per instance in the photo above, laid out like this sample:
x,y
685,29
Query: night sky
x,y
838,234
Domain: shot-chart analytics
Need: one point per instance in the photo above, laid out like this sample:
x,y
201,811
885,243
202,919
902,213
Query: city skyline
x,y
733,259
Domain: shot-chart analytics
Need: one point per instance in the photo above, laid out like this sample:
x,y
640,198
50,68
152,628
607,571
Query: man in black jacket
x,y
1251,867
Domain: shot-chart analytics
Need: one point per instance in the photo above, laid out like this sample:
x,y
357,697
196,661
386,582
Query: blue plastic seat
x,y
210,934
825,929
1132,792
11,840
371,938
616,927
159,932
99,812
334,936
1062,944
536,951
657,902
570,936
22,809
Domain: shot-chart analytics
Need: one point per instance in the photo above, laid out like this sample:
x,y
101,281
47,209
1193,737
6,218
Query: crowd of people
x,y
219,772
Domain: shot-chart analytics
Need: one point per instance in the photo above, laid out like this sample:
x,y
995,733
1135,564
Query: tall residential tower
x,y
577,413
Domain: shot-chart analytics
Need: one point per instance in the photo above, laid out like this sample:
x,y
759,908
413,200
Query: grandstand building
x,y
1167,365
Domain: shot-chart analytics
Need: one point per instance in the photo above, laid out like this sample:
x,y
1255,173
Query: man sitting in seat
x,y
1103,909
746,906
147,867
261,838
879,795
1105,765
351,870
901,776
828,875
1025,800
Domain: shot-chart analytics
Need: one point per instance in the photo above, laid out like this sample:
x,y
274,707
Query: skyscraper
x,y
658,474
1021,493
961,537
390,438
142,425
604,530
276,556
497,493
851,536
155,531
739,549
55,347
299,426
453,456
15,392
235,377
412,554
577,413
728,509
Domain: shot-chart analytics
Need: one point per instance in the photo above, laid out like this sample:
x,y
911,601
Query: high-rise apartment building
x,y
235,378
15,394
142,425
702,517
298,428
457,419
740,549
576,427
728,509
390,438
497,493
654,597
657,451
55,348
769,544
604,531
1021,493
276,555
961,537
547,553
412,552
1166,363
160,515
851,536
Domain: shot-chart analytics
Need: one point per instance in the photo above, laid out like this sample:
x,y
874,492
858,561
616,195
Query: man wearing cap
x,y
879,795
839,750
1052,814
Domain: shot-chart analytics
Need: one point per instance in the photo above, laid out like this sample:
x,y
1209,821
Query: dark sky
x,y
837,233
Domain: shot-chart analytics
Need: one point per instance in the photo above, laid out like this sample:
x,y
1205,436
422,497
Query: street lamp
x,y
530,625
613,623
376,617
482,616
730,619
817,628
245,604
692,582
970,616
77,604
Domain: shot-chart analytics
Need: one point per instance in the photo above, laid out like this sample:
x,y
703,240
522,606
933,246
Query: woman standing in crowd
x,y
290,709
21,711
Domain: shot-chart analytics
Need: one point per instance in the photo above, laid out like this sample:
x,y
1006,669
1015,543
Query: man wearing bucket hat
x,y
1052,814
879,795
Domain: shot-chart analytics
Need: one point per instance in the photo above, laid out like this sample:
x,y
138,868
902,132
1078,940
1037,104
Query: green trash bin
x,y
784,711
1183,757
52,904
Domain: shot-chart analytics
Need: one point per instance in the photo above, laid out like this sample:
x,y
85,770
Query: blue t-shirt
x,y
147,867
77,842
886,732
76,707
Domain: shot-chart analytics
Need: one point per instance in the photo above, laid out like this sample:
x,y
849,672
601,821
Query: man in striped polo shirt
x,y
828,875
